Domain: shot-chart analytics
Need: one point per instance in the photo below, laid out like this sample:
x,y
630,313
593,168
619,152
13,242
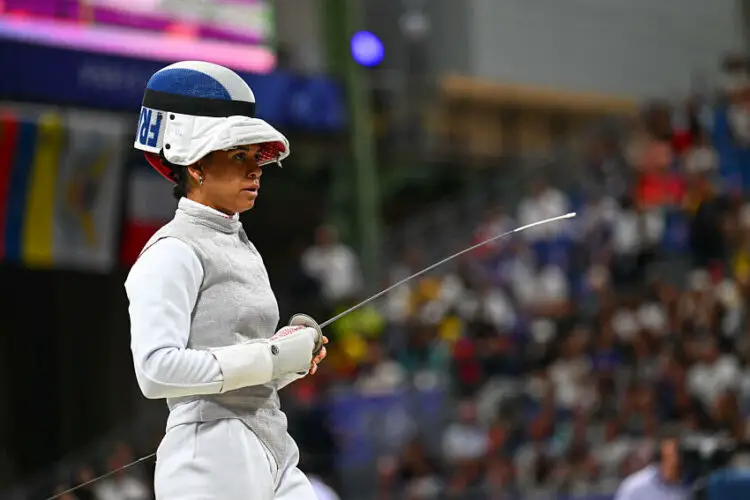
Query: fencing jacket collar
x,y
207,216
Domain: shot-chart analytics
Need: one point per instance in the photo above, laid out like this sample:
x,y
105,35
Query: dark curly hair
x,y
179,175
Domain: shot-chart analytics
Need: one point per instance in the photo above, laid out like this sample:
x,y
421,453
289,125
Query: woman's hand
x,y
318,357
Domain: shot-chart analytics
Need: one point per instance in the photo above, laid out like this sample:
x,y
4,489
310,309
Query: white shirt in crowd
x,y
571,381
612,454
497,309
336,267
545,286
125,488
651,317
464,442
550,203
634,232
385,377
709,381
701,160
647,484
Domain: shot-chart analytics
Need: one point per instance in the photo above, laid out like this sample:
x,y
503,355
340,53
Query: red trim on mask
x,y
155,161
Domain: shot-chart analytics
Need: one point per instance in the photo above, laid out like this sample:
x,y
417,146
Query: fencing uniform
x,y
201,283
203,318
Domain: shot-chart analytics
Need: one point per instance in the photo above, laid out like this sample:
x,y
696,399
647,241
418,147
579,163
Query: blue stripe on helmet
x,y
188,82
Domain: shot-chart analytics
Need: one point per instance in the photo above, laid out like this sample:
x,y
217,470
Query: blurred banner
x,y
369,426
286,100
229,32
60,176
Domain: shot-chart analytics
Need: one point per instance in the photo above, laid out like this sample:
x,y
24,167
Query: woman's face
x,y
231,179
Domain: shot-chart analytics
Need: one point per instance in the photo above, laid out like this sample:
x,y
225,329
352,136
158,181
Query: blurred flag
x,y
89,191
150,206
60,177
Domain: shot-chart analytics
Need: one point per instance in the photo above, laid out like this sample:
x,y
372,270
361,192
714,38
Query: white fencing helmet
x,y
193,108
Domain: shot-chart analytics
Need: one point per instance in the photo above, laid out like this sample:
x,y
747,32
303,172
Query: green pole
x,y
344,18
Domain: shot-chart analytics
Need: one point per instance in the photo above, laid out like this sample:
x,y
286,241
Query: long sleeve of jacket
x,y
162,288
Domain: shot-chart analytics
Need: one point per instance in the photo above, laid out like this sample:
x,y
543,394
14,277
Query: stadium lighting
x,y
367,49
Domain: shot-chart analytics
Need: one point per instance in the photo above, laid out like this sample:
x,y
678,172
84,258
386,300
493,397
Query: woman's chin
x,y
246,205
246,200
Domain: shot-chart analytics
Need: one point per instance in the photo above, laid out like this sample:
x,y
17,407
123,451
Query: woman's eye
x,y
240,157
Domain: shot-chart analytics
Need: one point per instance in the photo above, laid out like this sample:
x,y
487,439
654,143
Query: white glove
x,y
292,349
307,321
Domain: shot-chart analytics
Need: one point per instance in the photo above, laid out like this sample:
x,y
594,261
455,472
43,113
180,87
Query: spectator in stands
x,y
424,353
494,308
657,117
500,350
466,370
713,374
334,264
571,374
636,235
611,452
577,469
465,440
606,352
594,223
378,373
661,480
638,409
606,170
734,71
738,111
696,306
658,184
701,160
123,485
539,284
533,460
708,225
544,202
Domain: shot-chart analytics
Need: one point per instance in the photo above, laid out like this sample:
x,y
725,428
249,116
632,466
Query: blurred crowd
x,y
565,349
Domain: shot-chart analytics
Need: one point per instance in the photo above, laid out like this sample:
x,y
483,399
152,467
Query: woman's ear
x,y
195,172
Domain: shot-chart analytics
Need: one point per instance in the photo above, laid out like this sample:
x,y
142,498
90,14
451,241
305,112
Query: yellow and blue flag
x,y
60,176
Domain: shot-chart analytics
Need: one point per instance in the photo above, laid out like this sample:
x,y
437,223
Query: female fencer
x,y
203,315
